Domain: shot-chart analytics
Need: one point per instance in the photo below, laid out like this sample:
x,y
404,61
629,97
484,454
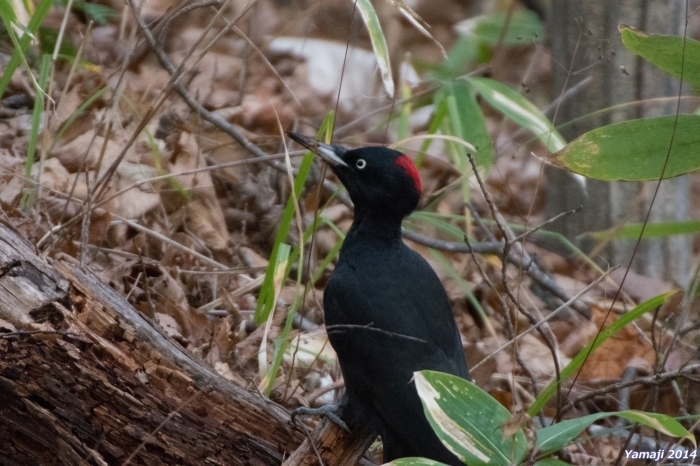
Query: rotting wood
x,y
96,387
335,446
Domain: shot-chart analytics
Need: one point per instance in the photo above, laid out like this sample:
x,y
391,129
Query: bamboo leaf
x,y
376,36
677,56
634,150
469,421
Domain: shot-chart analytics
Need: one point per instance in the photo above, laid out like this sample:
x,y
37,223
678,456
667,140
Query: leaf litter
x,y
168,184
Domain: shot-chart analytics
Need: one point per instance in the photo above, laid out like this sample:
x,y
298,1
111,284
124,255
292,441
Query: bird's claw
x,y
332,412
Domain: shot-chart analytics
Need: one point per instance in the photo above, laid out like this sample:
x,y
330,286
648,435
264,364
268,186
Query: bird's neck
x,y
374,228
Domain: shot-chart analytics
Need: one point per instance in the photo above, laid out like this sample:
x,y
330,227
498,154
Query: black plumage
x,y
386,312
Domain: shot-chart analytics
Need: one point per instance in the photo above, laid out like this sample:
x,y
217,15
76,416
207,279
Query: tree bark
x,y
586,42
85,379
334,446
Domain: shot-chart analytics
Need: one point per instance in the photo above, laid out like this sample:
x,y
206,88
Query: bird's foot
x,y
332,412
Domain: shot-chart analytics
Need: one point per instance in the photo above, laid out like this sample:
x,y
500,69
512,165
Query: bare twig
x,y
496,247
544,331
171,242
653,380
549,317
522,236
343,327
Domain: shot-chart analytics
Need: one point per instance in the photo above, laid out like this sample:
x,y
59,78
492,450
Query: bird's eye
x,y
361,163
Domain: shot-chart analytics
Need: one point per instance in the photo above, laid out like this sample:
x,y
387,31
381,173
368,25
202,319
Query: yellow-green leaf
x,y
634,150
376,36
677,56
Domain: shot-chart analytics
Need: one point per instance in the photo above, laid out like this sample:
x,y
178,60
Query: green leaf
x,y
524,27
557,436
47,41
376,36
468,421
94,11
98,13
30,192
21,44
463,52
7,12
634,150
652,230
660,422
266,299
551,462
267,374
666,52
37,114
468,123
581,357
517,108
414,462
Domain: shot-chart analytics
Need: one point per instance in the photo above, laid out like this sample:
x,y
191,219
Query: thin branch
x,y
544,331
654,380
491,247
170,242
522,236
549,317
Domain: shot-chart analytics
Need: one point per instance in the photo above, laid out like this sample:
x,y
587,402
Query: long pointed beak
x,y
330,154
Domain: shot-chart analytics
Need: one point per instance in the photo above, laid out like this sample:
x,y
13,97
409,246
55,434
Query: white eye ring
x,y
361,163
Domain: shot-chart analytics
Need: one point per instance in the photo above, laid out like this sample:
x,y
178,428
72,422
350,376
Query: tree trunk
x,y
85,379
586,42
334,445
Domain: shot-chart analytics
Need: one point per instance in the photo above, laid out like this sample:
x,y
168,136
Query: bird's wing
x,y
379,371
400,297
383,332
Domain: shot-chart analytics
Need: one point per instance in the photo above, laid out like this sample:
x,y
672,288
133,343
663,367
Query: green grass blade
x,y
265,304
30,191
22,43
376,36
651,230
265,299
464,286
435,221
471,124
76,114
555,437
326,261
551,462
439,116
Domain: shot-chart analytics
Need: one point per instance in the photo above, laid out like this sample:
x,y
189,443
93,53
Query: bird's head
x,y
378,179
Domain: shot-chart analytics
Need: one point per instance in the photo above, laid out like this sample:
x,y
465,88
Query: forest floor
x,y
183,219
